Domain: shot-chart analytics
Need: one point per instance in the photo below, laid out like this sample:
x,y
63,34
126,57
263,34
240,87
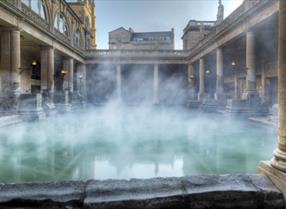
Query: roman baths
x,y
142,124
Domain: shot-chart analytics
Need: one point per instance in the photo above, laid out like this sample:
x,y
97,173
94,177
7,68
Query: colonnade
x,y
250,68
155,82
12,67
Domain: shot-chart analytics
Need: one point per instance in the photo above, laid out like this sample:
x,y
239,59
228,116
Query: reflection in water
x,y
114,142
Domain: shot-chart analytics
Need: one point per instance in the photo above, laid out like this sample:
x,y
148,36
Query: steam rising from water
x,y
116,141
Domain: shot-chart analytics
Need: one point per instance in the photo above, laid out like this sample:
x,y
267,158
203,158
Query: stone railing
x,y
136,53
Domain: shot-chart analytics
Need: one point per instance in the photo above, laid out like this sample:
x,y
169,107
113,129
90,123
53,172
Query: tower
x,y
85,9
220,12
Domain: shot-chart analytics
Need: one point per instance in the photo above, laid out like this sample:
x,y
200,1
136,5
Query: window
x,y
77,38
60,24
37,6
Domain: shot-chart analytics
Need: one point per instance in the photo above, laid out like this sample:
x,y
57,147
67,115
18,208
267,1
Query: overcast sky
x,y
154,15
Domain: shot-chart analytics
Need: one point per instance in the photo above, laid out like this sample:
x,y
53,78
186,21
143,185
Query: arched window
x,y
37,6
77,38
60,24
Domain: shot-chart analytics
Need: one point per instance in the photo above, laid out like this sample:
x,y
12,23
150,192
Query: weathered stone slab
x,y
232,191
195,192
136,193
38,194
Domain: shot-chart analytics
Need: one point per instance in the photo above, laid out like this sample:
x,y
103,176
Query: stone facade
x,y
129,39
42,47
196,31
85,10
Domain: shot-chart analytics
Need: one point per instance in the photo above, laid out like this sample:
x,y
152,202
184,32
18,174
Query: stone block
x,y
136,193
30,107
231,191
42,195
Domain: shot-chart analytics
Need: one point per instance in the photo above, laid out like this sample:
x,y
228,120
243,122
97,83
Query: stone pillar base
x,y
30,107
250,95
48,103
201,97
77,100
276,176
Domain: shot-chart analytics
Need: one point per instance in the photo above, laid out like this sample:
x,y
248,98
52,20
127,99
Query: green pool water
x,y
113,142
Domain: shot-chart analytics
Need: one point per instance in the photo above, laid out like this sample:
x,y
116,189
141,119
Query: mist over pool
x,y
120,142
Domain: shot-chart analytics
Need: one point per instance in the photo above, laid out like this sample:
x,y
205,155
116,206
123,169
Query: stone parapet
x,y
196,192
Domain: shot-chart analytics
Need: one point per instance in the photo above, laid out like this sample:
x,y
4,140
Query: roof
x,y
121,29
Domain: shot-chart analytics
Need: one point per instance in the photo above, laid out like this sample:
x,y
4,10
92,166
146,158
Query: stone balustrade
x,y
136,53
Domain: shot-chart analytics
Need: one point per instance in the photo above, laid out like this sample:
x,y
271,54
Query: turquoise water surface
x,y
135,142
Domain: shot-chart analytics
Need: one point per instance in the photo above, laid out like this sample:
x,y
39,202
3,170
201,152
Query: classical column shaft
x,y
219,74
250,62
191,80
68,80
156,84
47,69
202,80
279,160
5,61
81,79
236,93
263,84
191,75
15,59
118,80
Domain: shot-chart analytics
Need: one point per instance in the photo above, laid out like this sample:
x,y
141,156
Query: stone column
x,y
156,84
5,61
276,169
47,74
202,80
236,88
279,160
82,80
68,80
263,85
47,69
219,75
118,81
191,81
15,60
250,64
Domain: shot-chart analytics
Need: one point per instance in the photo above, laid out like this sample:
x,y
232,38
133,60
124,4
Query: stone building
x,y
42,50
129,39
85,10
196,30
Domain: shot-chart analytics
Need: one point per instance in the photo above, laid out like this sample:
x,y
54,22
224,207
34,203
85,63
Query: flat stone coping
x,y
194,192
